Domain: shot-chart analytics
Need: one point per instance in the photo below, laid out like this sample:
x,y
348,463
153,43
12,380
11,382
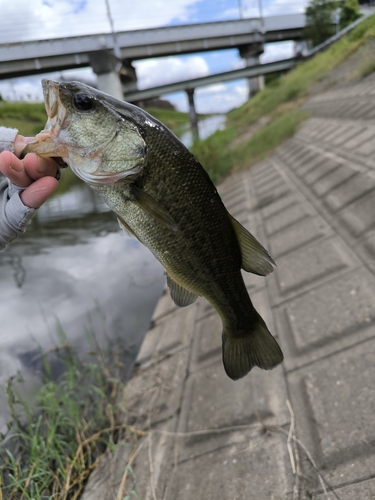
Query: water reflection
x,y
76,270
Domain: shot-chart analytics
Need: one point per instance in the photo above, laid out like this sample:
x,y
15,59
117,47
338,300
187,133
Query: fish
x,y
163,196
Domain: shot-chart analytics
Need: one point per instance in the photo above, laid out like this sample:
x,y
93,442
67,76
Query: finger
x,y
14,169
37,167
20,143
35,195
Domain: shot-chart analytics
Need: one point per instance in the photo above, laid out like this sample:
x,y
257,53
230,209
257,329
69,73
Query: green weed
x,y
51,450
219,157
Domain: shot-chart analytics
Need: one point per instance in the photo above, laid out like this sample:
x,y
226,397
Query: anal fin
x,y
181,296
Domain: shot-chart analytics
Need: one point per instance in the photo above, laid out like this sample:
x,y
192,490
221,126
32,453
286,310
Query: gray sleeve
x,y
14,215
7,136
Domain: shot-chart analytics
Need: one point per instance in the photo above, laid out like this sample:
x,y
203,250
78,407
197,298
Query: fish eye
x,y
83,102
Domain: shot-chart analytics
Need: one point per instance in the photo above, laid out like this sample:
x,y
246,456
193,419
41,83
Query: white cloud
x,y
280,7
43,19
161,71
277,51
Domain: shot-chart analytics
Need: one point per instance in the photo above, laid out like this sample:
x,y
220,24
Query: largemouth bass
x,y
163,196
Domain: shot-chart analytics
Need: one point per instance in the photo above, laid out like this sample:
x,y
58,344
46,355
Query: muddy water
x,y
74,271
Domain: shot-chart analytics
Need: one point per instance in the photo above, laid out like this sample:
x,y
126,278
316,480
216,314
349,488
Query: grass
x,y
28,118
366,69
220,157
73,425
224,152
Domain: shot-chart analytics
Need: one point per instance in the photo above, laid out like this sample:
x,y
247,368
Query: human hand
x,y
35,174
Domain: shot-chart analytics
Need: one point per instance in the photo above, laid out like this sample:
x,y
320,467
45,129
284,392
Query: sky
x,y
23,20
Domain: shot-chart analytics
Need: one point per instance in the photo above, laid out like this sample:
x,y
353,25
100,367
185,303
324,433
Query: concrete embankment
x,y
305,429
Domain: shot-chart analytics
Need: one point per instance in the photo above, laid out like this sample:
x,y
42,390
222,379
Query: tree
x,y
349,13
319,21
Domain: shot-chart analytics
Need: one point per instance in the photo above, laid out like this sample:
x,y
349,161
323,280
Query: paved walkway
x,y
307,428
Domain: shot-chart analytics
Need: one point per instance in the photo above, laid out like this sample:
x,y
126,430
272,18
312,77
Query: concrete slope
x,y
305,429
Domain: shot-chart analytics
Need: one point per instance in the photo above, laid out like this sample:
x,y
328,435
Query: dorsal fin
x,y
255,258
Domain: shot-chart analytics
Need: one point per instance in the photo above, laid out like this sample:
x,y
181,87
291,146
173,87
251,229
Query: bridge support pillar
x,y
251,55
128,77
107,68
192,113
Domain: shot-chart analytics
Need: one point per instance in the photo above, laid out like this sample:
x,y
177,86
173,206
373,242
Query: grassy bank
x,y
51,450
276,105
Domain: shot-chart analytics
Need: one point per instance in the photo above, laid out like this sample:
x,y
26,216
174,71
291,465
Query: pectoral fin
x,y
181,296
124,226
152,207
255,258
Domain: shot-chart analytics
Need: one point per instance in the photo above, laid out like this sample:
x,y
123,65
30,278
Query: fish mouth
x,y
56,112
45,144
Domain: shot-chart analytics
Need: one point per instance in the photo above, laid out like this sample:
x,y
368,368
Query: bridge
x,y
34,57
111,54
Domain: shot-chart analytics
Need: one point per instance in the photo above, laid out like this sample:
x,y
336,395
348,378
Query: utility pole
x,y
240,9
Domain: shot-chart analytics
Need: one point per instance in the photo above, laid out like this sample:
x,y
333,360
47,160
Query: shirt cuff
x,y
18,214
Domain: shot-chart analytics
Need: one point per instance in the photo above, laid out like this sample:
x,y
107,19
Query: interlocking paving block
x,y
311,264
366,249
169,334
331,180
358,140
367,149
370,114
340,307
238,208
352,189
105,481
207,339
154,394
324,167
337,132
297,235
270,196
289,215
164,306
310,163
359,491
255,470
353,130
268,189
333,401
271,178
358,217
214,406
279,205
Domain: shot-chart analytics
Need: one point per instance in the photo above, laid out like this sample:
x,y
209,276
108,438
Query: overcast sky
x,y
41,19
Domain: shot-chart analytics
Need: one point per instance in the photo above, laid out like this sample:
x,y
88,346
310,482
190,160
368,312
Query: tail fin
x,y
257,348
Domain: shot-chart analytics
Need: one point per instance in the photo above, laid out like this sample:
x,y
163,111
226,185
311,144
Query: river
x,y
73,271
